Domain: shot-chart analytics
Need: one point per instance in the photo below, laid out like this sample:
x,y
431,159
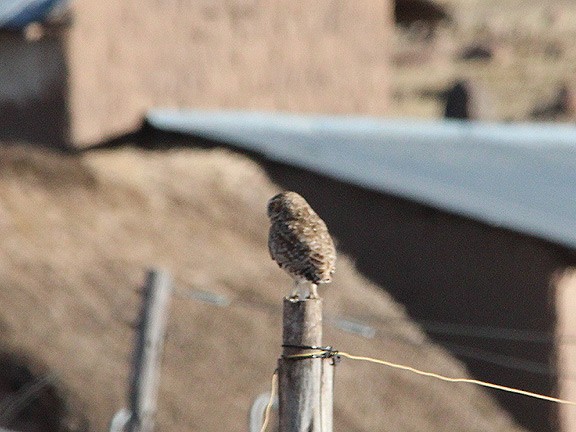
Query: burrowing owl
x,y
300,243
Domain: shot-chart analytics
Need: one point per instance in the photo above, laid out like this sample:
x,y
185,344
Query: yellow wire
x,y
456,380
270,402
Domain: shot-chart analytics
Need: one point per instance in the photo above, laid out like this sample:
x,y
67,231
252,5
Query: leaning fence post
x,y
305,384
148,351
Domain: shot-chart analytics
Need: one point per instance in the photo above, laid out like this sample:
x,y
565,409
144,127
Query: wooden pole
x,y
327,394
305,385
148,352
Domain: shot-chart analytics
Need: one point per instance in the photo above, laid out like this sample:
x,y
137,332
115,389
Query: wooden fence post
x,y
145,375
305,385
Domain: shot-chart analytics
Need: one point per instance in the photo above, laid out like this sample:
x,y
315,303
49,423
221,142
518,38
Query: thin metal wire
x,y
457,380
385,330
501,360
433,327
334,353
504,360
327,352
273,390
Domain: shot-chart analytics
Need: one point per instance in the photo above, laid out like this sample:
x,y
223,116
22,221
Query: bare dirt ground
x,y
533,54
79,233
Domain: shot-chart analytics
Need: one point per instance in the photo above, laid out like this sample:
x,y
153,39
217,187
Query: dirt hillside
x,y
78,234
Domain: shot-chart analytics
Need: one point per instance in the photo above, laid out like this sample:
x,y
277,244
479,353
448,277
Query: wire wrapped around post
x,y
305,373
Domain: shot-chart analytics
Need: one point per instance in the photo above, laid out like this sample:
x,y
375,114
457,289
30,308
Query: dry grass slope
x,y
78,234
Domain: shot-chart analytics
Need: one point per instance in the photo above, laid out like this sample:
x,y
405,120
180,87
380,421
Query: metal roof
x,y
517,176
17,14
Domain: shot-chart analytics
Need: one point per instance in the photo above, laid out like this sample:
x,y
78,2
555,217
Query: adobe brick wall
x,y
565,287
322,56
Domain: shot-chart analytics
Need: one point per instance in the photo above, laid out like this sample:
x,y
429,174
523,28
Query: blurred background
x,y
435,138
103,65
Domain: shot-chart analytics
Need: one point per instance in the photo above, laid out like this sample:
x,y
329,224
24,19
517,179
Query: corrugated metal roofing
x,y
518,176
17,14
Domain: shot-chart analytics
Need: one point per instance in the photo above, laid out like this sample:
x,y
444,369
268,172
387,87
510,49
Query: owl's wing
x,y
270,243
285,245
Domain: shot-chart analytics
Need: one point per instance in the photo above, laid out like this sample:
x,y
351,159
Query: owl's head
x,y
286,205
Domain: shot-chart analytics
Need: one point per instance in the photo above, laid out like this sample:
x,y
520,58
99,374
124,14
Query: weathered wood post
x,y
145,375
305,384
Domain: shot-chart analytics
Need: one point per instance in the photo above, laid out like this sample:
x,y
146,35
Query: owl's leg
x,y
300,290
313,291
296,289
303,289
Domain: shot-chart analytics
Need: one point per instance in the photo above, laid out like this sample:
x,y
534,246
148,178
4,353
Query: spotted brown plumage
x,y
299,242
